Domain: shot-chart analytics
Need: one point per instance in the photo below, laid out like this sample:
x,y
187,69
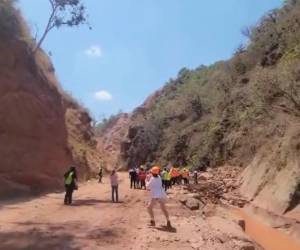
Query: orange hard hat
x,y
155,170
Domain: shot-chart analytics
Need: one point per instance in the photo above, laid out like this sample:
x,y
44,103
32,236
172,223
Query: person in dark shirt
x,y
133,178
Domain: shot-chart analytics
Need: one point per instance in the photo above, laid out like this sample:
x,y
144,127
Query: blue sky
x,y
135,46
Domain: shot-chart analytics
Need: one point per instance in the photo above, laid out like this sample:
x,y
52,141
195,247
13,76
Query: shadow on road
x,y
89,202
36,239
167,229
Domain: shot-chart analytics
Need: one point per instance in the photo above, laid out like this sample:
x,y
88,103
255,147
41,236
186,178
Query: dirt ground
x,y
93,222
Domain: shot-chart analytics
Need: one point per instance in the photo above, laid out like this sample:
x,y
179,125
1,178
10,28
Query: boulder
x,y
183,199
193,203
194,195
205,176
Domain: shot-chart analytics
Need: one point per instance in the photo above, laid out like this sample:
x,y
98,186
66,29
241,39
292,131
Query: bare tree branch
x,y
63,13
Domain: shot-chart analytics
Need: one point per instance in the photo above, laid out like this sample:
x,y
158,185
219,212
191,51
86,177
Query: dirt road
x,y
93,222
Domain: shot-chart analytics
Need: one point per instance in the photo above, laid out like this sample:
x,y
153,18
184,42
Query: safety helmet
x,y
155,170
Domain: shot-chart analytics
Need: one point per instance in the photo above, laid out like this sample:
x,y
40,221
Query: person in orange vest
x,y
173,175
185,176
177,176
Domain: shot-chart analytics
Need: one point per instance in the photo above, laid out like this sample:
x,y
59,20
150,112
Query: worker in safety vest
x,y
70,184
173,175
164,178
185,176
168,182
100,173
177,175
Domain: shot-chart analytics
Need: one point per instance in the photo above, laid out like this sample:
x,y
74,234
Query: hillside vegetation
x,y
207,114
244,111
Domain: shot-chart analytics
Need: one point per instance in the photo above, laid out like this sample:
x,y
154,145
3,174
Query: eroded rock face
x,y
111,141
36,138
275,188
139,145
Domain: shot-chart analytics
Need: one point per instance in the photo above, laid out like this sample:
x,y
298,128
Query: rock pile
x,y
218,186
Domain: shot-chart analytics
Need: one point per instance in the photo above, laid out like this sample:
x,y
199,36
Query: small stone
x,y
242,224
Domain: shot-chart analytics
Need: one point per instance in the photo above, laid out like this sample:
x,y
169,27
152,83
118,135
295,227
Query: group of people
x,y
70,182
138,177
170,177
155,180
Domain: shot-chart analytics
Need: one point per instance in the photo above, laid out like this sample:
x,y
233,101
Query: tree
x,y
64,13
247,32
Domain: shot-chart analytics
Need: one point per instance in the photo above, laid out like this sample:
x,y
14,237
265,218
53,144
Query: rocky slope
x,y
42,130
109,138
243,112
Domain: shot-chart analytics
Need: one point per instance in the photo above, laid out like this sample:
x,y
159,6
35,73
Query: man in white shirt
x,y
158,195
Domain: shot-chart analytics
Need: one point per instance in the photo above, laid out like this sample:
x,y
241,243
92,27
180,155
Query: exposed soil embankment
x,y
38,128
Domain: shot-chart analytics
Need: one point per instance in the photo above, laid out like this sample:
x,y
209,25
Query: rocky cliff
x,y
42,130
110,137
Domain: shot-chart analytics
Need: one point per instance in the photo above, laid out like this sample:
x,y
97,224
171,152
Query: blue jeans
x,y
114,192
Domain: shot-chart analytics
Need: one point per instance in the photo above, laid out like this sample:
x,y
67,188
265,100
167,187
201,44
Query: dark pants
x,y
165,184
195,179
100,178
179,180
143,184
114,192
168,184
174,180
186,181
69,193
132,182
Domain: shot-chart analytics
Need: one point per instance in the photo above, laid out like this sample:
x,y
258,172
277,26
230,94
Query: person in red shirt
x,y
142,178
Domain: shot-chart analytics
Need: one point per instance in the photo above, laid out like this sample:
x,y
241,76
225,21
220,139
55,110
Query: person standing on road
x,y
70,184
132,176
142,177
185,176
195,176
168,181
158,195
137,180
173,175
100,173
164,177
114,181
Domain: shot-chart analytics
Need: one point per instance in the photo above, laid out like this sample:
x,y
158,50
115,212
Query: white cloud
x,y
103,95
93,51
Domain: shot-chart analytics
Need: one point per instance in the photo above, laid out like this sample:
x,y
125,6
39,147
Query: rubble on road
x,y
219,186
